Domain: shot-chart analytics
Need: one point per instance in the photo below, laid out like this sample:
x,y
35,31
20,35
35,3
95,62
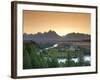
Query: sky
x,y
61,22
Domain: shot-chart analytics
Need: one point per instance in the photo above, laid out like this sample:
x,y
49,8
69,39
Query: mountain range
x,y
52,36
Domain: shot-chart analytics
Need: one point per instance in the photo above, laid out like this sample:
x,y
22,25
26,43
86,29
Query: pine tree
x,y
69,55
26,60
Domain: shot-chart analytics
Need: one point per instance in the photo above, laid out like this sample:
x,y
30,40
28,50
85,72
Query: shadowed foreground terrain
x,y
42,51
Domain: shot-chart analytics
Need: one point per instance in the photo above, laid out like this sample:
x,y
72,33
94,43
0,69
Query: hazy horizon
x,y
60,22
57,33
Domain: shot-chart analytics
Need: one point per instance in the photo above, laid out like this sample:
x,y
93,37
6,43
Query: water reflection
x,y
63,60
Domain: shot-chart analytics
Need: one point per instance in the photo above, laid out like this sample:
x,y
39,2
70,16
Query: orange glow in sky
x,y
61,22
